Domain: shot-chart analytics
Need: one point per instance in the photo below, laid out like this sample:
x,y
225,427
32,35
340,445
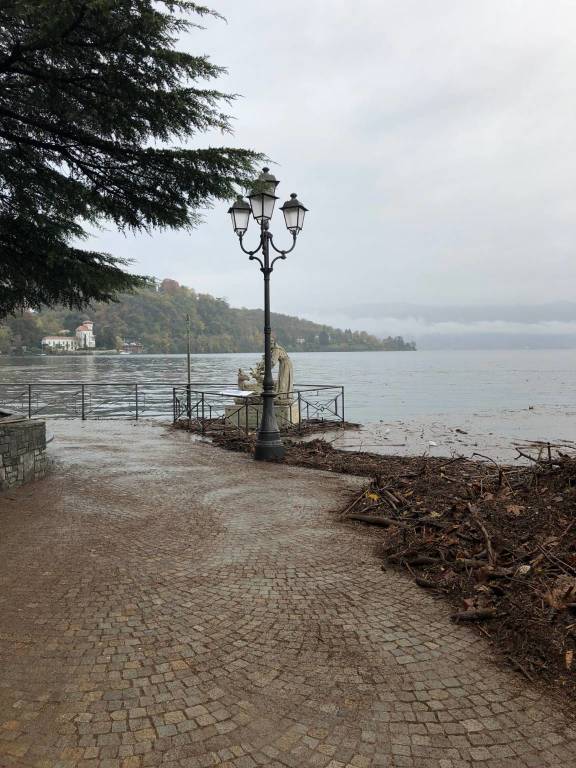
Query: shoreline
x,y
497,435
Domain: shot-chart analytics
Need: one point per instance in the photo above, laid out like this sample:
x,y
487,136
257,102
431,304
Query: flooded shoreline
x,y
436,402
495,434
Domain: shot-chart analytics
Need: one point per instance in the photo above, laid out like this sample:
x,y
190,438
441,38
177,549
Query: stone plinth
x,y
248,415
22,450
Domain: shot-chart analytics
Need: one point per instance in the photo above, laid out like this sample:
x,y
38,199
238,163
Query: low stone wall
x,y
22,450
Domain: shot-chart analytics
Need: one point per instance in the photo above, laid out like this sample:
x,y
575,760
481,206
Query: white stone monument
x,y
247,409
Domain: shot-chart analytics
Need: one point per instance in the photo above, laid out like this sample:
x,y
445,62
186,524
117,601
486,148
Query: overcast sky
x,y
434,142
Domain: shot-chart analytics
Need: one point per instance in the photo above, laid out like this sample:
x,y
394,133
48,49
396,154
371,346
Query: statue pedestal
x,y
248,415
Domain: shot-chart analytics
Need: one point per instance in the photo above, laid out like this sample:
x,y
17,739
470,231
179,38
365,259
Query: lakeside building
x,y
131,347
60,343
83,339
85,335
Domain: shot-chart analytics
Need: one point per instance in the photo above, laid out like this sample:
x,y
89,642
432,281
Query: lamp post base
x,y
269,447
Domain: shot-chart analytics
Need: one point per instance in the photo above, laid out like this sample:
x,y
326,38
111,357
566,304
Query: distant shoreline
x,y
114,353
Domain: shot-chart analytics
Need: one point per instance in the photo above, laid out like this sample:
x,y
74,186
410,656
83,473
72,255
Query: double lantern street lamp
x,y
262,200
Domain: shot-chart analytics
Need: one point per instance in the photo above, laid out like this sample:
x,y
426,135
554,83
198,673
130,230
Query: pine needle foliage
x,y
99,114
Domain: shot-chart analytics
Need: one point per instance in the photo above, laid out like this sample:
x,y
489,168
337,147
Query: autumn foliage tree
x,y
97,111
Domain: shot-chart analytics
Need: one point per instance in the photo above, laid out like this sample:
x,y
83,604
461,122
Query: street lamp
x,y
262,200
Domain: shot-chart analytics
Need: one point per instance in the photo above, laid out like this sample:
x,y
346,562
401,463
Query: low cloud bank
x,y
466,327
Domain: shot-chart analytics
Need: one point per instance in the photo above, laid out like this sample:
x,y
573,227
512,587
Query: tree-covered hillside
x,y
156,317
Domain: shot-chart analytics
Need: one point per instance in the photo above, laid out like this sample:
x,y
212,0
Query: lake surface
x,y
380,386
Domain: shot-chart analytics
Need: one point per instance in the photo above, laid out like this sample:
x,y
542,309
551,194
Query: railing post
x,y
343,419
299,411
29,401
136,399
246,430
203,422
83,404
174,405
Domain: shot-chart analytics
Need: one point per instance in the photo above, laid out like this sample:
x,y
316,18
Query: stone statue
x,y
285,382
247,409
253,381
258,375
243,379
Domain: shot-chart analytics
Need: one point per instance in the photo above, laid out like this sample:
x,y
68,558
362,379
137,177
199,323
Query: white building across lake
x,y
85,335
83,339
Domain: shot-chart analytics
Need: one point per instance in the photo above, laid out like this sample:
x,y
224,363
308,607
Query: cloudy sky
x,y
434,142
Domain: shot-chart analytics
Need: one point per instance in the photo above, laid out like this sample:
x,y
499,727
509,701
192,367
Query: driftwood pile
x,y
498,542
235,438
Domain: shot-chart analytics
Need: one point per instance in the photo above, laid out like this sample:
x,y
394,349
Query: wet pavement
x,y
167,603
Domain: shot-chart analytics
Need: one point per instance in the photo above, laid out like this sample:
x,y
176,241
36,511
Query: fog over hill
x,y
477,326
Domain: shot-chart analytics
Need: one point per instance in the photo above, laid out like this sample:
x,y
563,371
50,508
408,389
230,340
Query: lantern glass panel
x,y
262,205
240,219
301,214
291,218
256,205
269,201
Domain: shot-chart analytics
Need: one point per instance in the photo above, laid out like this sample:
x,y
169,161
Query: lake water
x,y
380,386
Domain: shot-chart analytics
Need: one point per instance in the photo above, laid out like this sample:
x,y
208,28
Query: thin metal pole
x,y
343,419
136,398
29,401
83,404
203,422
299,411
188,399
268,442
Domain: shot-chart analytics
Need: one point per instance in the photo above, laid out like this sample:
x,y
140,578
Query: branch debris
x,y
498,542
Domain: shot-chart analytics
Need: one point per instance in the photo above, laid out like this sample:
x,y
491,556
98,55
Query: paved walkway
x,y
166,603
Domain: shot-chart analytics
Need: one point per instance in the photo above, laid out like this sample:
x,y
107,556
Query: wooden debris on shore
x,y
499,542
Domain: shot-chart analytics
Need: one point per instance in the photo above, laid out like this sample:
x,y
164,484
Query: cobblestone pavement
x,y
166,603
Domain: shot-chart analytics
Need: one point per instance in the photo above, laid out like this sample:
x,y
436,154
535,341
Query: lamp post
x,y
262,199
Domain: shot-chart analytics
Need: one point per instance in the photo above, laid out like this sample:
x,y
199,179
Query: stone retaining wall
x,y
22,450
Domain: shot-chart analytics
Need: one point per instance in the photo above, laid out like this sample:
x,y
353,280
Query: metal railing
x,y
89,400
201,403
205,409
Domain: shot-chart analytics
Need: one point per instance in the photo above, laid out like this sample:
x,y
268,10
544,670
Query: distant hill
x,y
155,316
